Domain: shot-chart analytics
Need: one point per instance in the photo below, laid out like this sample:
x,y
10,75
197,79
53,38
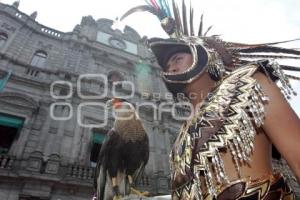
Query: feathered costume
x,y
124,153
229,116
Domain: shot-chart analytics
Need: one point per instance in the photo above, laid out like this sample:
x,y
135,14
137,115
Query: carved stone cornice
x,y
19,99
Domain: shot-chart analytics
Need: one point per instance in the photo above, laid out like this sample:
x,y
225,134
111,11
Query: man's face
x,y
179,62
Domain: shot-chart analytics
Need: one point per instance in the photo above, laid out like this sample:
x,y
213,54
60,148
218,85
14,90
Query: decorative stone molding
x,y
35,161
34,15
8,27
88,21
19,99
16,4
53,163
128,34
77,29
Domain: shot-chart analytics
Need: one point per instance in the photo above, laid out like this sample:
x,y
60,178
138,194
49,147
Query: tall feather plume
x,y
200,26
208,29
155,5
191,20
160,5
148,2
267,56
164,8
290,68
248,51
160,9
293,77
177,18
140,9
241,45
184,19
270,49
232,53
167,7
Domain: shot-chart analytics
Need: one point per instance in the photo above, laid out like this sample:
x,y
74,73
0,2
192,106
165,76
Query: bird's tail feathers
x,y
138,174
101,182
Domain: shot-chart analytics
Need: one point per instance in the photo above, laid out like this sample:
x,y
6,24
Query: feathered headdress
x,y
179,25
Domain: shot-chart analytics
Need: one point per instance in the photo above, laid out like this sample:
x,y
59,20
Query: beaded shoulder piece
x,y
227,119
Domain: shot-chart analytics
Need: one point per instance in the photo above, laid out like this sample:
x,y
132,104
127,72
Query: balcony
x,y
80,172
6,161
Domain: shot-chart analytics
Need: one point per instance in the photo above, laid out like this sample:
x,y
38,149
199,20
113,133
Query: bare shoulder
x,y
281,124
278,108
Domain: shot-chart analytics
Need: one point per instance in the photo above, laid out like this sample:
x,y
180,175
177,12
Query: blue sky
x,y
241,21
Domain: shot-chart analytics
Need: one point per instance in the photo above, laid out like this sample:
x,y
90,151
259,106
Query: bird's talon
x,y
117,197
139,193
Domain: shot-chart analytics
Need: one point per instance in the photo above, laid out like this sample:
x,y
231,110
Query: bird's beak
x,y
115,103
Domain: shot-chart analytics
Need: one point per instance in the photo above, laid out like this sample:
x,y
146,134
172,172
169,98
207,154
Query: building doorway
x,y
10,127
97,141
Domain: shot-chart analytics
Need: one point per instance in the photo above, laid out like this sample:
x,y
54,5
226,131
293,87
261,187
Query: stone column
x,y
76,138
167,140
156,158
60,133
18,146
44,134
82,156
168,148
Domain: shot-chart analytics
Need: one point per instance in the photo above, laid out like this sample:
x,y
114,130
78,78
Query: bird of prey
x,y
124,153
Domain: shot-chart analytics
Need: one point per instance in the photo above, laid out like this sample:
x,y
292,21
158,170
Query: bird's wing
x,y
141,169
101,167
146,158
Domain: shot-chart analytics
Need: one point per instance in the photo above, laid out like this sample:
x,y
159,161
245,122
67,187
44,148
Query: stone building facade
x,y
52,118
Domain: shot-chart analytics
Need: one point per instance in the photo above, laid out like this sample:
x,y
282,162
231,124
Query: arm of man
x,y
282,125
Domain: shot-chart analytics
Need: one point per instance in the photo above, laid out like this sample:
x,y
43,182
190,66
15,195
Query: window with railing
x,y
39,59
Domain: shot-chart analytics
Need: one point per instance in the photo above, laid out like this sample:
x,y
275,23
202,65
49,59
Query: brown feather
x,y
270,49
267,56
219,46
140,9
290,68
293,77
207,30
241,45
184,19
201,26
130,128
177,18
192,20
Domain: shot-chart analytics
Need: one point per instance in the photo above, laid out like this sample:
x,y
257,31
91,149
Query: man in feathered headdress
x,y
224,151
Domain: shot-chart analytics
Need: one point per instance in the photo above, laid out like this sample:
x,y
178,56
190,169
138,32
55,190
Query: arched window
x,y
3,39
39,59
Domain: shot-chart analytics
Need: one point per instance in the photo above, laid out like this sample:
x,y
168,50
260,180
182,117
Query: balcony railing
x,y
81,172
6,161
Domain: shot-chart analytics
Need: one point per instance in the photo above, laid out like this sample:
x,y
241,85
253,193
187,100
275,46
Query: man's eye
x,y
178,59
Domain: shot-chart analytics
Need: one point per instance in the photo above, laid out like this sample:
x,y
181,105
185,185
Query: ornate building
x,y
53,86
52,118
